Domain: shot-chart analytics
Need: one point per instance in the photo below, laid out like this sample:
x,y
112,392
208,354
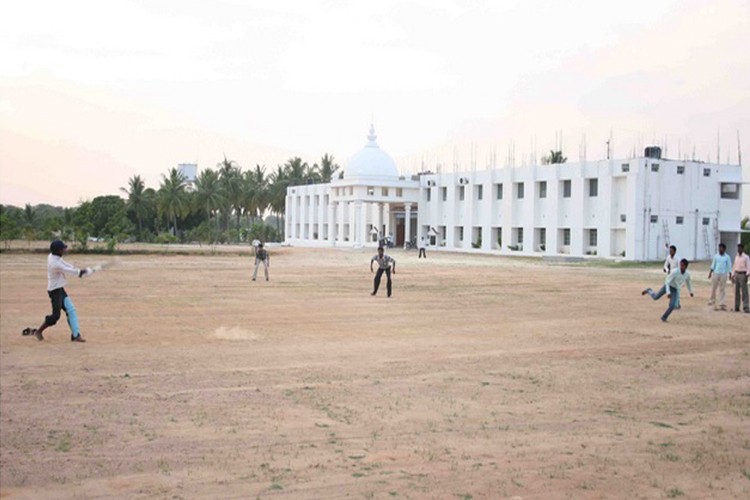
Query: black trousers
x,y
378,275
422,253
57,298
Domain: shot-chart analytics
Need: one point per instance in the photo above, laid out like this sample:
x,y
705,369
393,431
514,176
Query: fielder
x,y
384,266
261,255
721,265
56,270
671,287
670,264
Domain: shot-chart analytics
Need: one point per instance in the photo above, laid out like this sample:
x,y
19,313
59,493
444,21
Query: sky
x,y
92,93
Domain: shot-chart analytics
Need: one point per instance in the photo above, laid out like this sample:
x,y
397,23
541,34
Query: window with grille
x,y
679,219
461,191
592,237
680,169
567,188
543,189
654,219
566,237
499,191
654,167
519,190
625,167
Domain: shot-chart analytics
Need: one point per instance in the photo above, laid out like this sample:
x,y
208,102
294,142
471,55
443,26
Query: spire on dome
x,y
371,137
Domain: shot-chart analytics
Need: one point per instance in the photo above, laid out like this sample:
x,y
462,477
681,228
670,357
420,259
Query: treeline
x,y
224,205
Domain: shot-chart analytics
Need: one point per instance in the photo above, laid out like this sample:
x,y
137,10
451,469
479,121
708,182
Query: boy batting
x,y
57,268
384,266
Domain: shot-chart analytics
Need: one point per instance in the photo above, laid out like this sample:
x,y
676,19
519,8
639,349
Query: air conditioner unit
x,y
463,180
430,183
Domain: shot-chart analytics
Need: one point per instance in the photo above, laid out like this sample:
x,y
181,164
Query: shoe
x,y
253,279
644,292
710,303
266,279
77,339
38,335
372,293
664,320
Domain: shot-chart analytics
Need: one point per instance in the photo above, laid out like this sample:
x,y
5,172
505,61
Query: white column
x,y
331,223
352,222
321,215
407,223
287,218
295,221
358,224
340,215
379,219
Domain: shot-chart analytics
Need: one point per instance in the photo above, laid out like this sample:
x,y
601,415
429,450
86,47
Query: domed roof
x,y
371,161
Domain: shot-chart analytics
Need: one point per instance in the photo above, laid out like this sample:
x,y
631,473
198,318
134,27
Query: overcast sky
x,y
92,93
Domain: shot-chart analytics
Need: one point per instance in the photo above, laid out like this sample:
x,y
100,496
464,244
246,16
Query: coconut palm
x,y
277,194
230,179
297,172
327,168
258,196
173,199
137,201
208,193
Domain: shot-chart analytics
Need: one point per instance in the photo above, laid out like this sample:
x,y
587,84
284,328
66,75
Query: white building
x,y
611,208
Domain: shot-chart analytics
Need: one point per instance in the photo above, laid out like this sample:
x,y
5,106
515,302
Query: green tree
x,y
258,192
277,195
209,196
230,178
173,200
327,168
10,229
29,223
137,201
554,157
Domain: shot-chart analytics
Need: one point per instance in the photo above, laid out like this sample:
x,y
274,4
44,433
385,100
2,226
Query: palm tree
x,y
327,168
208,193
29,222
554,157
136,199
173,199
259,195
230,178
297,172
277,194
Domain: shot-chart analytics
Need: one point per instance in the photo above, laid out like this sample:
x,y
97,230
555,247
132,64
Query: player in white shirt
x,y
56,270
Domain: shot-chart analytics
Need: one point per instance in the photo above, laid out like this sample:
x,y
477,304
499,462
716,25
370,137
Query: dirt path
x,y
482,377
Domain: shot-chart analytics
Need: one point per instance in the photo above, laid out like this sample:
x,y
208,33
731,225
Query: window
x,y
566,237
592,237
730,191
543,189
566,189
593,188
706,172
625,167
499,191
680,169
461,193
706,221
480,192
679,219
370,191
444,193
623,218
542,236
519,190
461,233
654,219
429,194
654,167
384,191
399,192
519,233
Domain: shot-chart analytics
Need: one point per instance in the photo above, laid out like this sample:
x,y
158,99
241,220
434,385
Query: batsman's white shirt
x,y
56,269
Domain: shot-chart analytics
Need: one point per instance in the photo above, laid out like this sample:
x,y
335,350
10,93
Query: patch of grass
x,y
63,444
674,493
357,474
276,486
661,424
746,473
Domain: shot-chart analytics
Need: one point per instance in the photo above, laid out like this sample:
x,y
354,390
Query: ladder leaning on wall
x,y
665,230
706,242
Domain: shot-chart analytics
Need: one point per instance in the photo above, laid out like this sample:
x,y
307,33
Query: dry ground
x,y
483,377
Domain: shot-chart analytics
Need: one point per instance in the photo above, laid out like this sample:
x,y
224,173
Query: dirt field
x,y
483,377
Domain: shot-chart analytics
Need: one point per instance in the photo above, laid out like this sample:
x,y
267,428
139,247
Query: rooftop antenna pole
x,y
718,146
739,150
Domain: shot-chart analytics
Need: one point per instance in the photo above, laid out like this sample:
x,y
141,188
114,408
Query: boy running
x,y
56,270
384,266
671,287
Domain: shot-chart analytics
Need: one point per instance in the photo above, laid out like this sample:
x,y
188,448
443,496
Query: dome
x,y
371,161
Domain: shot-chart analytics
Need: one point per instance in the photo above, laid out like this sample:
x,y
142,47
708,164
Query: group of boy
x,y
722,270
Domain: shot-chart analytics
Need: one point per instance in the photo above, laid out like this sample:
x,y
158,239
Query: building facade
x,y
624,209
